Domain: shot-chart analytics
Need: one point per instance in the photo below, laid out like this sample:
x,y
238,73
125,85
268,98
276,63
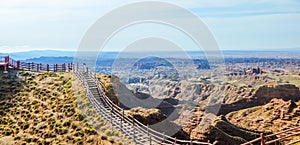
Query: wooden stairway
x,y
133,129
107,112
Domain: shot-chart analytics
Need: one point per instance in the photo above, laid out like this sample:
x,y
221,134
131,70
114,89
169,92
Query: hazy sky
x,y
236,24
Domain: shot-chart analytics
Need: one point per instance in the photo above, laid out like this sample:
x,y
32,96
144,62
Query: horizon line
x,y
115,51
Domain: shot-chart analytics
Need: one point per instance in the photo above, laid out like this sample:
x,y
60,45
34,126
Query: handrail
x,y
38,67
263,137
117,111
292,129
294,142
111,104
2,58
282,138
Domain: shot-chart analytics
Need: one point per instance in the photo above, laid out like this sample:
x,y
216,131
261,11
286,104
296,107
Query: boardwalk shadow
x,y
10,85
169,107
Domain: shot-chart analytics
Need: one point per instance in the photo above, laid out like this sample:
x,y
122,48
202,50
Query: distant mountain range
x,y
39,53
42,54
50,60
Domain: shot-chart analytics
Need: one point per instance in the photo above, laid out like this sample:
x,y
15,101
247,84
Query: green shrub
x,y
73,126
77,139
45,142
78,117
17,138
61,78
79,133
89,131
116,133
66,123
104,137
110,139
108,132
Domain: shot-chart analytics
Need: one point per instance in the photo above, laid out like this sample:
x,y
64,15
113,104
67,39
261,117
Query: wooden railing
x,y
37,67
2,59
283,135
114,111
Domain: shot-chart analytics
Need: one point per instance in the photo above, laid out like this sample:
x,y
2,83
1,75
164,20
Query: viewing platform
x,y
7,62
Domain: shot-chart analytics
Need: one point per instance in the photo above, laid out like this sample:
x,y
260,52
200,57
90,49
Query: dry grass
x,y
49,109
296,139
107,81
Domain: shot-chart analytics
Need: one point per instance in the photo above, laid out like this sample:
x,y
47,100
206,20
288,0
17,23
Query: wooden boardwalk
x,y
141,134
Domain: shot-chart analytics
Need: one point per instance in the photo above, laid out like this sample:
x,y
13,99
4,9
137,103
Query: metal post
x,y
191,143
150,142
262,141
175,141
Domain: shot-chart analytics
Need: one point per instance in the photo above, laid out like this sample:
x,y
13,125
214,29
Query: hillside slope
x,y
50,108
221,132
275,116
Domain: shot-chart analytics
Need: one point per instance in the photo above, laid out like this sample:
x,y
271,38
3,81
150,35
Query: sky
x,y
236,24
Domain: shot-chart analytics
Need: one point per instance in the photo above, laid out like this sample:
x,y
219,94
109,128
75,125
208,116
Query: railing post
x,y
147,129
111,115
122,120
38,67
164,139
47,67
134,136
175,141
28,66
69,67
150,142
55,68
6,59
18,64
133,125
262,141
64,67
5,68
191,142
